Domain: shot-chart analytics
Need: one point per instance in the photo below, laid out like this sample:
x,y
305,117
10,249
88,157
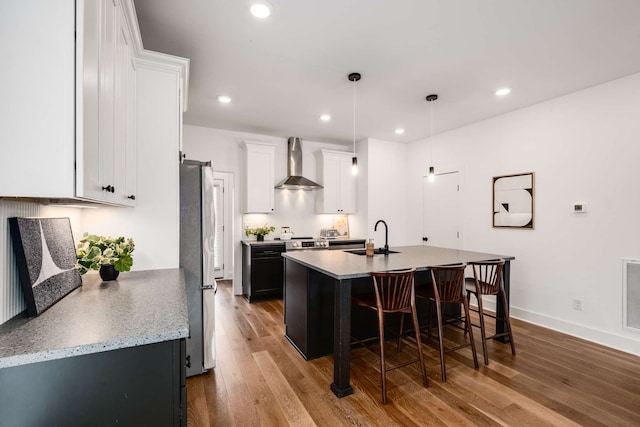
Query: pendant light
x,y
354,77
432,174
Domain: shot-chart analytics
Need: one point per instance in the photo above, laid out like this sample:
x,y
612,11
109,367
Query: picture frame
x,y
514,201
341,223
46,259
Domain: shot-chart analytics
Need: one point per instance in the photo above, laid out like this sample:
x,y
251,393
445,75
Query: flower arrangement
x,y
95,251
259,232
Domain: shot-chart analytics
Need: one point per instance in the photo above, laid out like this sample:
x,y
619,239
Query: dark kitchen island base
x,y
309,310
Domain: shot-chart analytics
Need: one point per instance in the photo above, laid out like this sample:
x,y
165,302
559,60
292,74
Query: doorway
x,y
223,200
440,211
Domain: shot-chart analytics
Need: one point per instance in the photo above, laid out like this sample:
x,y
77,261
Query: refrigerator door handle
x,y
208,326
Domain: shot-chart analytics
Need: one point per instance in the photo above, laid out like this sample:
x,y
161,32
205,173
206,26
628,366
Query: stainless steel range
x,y
306,243
310,243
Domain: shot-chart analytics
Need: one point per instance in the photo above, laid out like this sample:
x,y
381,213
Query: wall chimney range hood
x,y
294,179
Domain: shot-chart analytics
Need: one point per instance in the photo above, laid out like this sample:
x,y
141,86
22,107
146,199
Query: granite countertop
x,y
262,242
250,242
141,307
343,265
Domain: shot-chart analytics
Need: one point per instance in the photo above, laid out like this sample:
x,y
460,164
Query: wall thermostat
x,y
579,207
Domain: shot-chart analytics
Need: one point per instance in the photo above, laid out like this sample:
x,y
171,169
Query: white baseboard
x,y
626,342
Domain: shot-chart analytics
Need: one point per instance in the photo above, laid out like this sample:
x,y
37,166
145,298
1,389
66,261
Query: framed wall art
x,y
513,201
46,260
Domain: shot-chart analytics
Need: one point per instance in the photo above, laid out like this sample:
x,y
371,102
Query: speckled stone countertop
x,y
141,307
262,242
344,265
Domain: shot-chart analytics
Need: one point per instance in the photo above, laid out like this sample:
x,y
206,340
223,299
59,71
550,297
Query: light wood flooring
x,y
555,379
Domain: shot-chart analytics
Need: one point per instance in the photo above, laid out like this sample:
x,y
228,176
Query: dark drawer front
x,y
267,251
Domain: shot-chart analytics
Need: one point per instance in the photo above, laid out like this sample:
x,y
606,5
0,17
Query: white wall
x,y
583,147
386,192
295,209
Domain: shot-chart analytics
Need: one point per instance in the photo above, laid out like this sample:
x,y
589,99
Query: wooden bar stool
x,y
448,287
393,293
487,280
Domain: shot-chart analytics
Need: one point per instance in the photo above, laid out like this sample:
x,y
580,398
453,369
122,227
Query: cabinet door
x,y
106,147
331,184
267,275
338,194
260,178
124,117
88,90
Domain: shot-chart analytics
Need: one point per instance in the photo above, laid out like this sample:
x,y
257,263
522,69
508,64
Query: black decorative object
x,y
108,273
46,259
513,201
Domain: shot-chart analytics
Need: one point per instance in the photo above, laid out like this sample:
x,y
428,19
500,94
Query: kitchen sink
x,y
377,251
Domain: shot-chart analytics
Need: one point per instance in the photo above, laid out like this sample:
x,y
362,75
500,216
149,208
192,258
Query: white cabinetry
x,y
259,177
71,125
339,192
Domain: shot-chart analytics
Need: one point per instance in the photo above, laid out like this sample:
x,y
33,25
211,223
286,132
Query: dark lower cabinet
x,y
262,271
134,386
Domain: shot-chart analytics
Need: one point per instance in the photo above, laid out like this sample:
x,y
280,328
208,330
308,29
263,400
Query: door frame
x,y
228,221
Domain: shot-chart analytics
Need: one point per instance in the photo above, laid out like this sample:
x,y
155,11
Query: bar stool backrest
x,y
448,282
394,289
488,276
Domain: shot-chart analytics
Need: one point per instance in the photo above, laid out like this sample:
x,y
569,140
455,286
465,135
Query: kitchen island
x,y
107,353
317,292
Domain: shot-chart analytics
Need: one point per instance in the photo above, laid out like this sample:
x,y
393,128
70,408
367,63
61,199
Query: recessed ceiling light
x,y
503,91
224,99
325,117
399,131
261,10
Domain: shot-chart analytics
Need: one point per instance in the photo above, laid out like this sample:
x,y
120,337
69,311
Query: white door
x,y
441,211
218,200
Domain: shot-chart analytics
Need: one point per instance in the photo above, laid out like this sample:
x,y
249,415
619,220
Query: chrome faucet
x,y
386,236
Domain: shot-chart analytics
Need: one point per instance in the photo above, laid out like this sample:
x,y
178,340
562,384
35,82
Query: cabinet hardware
x,y
188,362
132,197
109,189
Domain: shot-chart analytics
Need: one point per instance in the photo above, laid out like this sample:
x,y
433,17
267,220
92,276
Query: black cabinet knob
x,y
425,239
109,189
188,362
132,197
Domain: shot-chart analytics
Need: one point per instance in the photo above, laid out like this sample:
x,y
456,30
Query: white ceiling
x,y
284,72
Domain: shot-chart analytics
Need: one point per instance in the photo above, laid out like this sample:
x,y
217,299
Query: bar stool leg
x,y
440,342
483,331
383,369
416,328
465,304
507,320
401,331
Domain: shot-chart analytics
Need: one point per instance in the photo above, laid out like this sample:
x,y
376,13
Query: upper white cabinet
x,y
339,192
259,177
70,131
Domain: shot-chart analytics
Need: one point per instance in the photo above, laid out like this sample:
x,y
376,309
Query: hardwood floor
x,y
555,379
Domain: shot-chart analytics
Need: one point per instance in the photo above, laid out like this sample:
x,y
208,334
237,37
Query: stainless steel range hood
x,y
294,179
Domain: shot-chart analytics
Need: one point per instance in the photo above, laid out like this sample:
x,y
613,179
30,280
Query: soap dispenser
x,y
369,250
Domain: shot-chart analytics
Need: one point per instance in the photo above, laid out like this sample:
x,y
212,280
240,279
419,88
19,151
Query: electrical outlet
x,y
577,304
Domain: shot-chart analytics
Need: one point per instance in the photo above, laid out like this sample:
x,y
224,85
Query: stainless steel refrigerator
x,y
197,237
